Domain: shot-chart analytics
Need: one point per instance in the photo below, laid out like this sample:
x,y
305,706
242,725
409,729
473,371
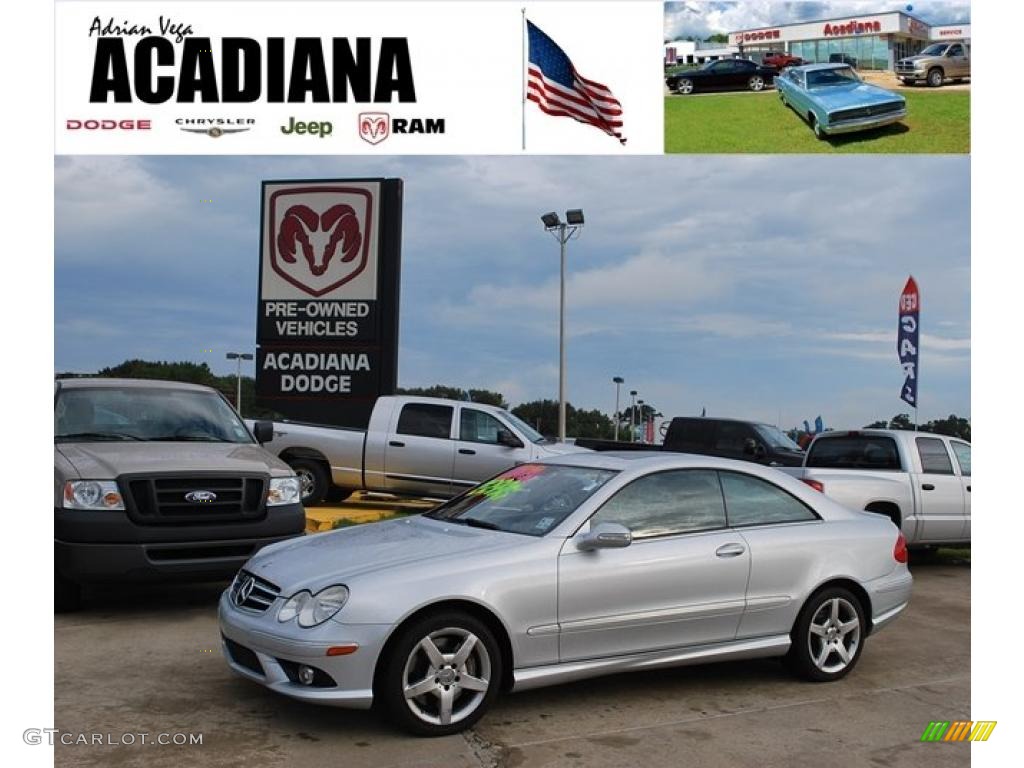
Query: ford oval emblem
x,y
200,497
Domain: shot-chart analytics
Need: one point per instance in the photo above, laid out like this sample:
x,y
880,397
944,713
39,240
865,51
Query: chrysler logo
x,y
200,497
244,590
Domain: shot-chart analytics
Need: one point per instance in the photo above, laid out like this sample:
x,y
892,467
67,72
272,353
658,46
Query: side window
x,y
854,452
679,501
963,457
934,456
956,50
425,420
752,501
478,427
690,434
731,436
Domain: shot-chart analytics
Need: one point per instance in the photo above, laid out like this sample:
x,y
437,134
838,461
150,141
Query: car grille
x,y
260,596
861,112
904,67
164,499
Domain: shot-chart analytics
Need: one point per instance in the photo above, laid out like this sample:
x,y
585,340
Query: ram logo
x,y
320,235
374,127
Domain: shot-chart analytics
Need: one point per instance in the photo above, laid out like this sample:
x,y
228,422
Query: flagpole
x,y
523,74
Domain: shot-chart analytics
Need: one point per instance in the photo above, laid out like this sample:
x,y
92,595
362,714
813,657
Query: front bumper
x,y
107,546
890,596
259,648
864,123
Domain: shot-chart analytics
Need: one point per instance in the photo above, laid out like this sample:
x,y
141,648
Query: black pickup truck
x,y
727,438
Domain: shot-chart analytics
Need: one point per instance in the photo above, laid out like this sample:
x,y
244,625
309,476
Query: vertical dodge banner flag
x,y
907,340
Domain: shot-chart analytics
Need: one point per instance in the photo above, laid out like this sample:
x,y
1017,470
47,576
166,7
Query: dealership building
x,y
875,41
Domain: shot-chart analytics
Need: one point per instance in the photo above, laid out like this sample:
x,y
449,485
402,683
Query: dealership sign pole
x,y
907,343
327,324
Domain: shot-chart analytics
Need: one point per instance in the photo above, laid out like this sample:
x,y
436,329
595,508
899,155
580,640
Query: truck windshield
x,y
530,499
935,50
143,413
776,438
529,432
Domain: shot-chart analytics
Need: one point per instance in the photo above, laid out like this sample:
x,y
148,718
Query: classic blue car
x,y
833,99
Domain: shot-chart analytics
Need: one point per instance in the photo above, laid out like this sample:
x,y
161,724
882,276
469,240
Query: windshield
x,y
529,432
825,78
776,438
935,50
137,413
530,499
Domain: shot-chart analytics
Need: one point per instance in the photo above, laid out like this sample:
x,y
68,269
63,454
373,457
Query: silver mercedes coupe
x,y
575,566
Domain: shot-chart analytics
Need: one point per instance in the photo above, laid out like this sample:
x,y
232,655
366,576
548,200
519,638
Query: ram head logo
x,y
322,242
374,127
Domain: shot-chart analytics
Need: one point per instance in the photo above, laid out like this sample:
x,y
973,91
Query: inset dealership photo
x,y
894,81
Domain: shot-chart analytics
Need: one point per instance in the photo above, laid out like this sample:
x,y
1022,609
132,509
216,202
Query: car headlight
x,y
92,494
283,490
314,609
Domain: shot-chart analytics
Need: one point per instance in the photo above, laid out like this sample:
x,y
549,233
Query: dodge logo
x,y
374,127
200,497
322,243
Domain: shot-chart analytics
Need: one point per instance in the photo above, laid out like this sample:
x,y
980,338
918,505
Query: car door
x,y
420,453
962,452
732,440
939,491
779,531
680,582
719,74
478,454
956,58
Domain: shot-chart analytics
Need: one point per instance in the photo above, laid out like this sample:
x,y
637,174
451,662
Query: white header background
x,y
467,63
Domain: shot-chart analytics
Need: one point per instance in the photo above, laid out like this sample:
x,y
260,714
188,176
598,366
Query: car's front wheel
x,y
441,674
816,126
756,83
935,77
684,86
828,636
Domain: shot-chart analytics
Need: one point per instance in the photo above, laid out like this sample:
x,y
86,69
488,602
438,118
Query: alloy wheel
x,y
446,676
307,483
684,86
756,83
834,635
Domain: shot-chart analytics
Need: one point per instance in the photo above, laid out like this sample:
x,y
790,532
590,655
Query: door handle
x,y
396,444
467,451
730,550
927,487
968,489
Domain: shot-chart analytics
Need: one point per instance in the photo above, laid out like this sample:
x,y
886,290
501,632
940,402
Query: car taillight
x,y
818,486
899,552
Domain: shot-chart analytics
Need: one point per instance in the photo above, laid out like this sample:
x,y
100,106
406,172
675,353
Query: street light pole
x,y
632,415
238,357
563,232
619,381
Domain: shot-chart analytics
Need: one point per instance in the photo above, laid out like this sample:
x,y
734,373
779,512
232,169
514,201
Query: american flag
x,y
558,89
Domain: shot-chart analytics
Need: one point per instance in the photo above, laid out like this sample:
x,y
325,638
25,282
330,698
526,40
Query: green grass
x,y
937,122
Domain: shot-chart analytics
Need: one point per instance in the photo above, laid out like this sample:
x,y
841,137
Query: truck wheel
x,y
67,595
935,77
313,480
441,674
828,636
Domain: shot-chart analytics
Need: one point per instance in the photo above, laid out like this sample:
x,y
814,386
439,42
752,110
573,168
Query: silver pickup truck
x,y
420,446
936,64
920,480
159,480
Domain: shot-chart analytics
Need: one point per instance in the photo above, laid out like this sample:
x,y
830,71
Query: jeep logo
x,y
321,129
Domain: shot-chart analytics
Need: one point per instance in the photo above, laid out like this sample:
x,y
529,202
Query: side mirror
x,y
263,431
605,536
509,440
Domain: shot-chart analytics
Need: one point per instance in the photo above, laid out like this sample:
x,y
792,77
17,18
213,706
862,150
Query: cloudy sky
x,y
757,287
700,18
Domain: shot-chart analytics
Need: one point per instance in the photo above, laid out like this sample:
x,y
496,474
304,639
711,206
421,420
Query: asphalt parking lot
x,y
147,660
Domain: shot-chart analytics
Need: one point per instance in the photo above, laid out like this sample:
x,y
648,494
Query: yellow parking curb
x,y
325,518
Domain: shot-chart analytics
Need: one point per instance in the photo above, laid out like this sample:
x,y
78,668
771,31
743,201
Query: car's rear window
x,y
854,452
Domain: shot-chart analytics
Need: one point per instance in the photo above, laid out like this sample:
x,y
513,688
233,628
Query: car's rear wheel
x,y
67,595
756,83
935,77
441,674
684,86
828,636
314,482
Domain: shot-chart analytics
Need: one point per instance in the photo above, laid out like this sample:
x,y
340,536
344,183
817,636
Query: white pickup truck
x,y
920,480
421,446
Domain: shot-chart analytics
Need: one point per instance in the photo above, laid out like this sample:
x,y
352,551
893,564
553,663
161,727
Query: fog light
x,y
306,675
